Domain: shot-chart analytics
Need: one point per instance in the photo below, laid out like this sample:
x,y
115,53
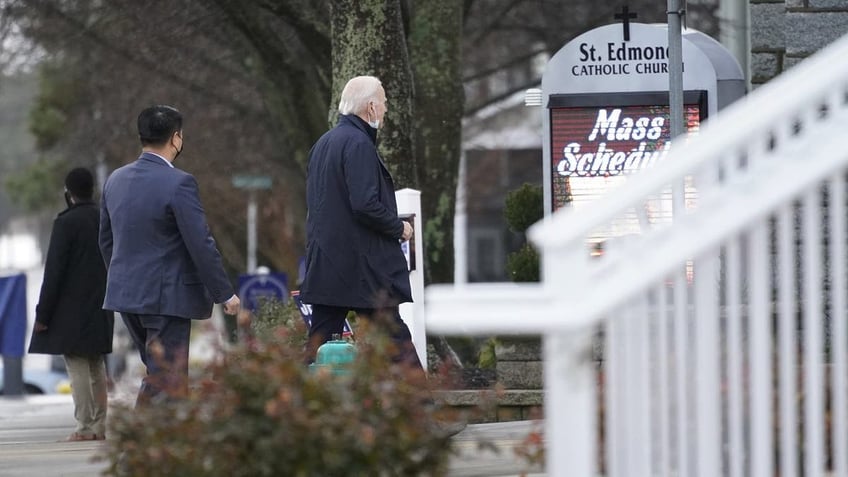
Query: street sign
x,y
254,289
251,182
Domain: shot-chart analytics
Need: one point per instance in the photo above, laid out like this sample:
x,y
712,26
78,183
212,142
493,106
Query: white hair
x,y
356,94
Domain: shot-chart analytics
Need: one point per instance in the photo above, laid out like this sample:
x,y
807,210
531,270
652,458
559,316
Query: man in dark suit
x,y
164,269
354,259
69,318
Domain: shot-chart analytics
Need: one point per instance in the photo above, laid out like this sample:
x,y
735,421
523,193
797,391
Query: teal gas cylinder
x,y
337,355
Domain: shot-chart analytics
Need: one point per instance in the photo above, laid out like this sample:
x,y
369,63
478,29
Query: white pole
x,y
251,232
101,171
570,406
460,228
409,202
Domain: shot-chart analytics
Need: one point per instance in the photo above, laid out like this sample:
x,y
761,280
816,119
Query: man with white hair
x,y
354,259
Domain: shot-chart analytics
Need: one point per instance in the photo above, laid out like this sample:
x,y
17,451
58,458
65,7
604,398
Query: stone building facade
x,y
784,32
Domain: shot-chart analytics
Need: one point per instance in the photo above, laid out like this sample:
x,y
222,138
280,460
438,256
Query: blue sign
x,y
13,315
255,289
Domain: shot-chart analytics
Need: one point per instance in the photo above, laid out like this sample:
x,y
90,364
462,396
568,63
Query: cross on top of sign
x,y
625,17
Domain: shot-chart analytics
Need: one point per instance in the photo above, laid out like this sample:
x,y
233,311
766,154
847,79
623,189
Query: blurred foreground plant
x,y
258,411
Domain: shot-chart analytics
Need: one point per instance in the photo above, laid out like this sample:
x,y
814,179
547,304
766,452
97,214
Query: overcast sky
x,y
17,54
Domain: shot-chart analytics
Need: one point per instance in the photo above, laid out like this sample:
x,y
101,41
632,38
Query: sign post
x,y
409,208
675,88
251,184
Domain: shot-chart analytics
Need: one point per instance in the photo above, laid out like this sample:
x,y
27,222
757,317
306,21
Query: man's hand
x,y
232,306
407,231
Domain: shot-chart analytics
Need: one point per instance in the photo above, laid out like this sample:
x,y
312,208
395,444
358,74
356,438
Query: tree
x,y
114,69
414,47
368,38
435,46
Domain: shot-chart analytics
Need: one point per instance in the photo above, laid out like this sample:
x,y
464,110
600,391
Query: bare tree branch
x,y
503,66
139,60
472,110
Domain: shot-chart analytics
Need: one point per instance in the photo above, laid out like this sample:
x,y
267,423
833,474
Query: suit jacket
x,y
353,254
71,298
159,253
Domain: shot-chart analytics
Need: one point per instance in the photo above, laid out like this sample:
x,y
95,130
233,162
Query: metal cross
x,y
625,17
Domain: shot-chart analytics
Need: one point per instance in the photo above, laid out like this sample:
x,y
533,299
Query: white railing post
x,y
760,367
735,392
570,404
811,258
614,395
787,342
645,389
663,401
839,354
707,381
409,203
683,429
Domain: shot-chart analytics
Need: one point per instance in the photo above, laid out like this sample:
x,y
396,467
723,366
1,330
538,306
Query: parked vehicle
x,y
43,381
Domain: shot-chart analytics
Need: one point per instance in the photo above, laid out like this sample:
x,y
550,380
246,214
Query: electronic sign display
x,y
597,140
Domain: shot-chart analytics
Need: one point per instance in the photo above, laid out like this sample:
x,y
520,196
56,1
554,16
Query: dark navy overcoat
x,y
71,298
353,253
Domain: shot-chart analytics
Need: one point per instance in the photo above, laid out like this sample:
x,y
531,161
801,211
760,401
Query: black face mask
x,y
179,151
68,199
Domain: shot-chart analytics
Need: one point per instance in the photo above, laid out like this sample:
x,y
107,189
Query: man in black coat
x,y
69,317
354,259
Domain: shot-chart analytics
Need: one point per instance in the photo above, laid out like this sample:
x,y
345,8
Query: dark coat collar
x,y
78,204
360,124
152,158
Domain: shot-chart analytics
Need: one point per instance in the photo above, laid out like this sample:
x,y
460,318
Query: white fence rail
x,y
724,333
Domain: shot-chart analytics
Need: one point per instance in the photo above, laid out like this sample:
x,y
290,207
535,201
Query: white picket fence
x,y
724,333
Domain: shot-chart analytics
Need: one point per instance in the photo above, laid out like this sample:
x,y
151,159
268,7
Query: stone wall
x,y
520,392
519,362
784,32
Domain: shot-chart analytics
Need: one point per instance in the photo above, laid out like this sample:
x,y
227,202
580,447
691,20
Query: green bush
x,y
524,207
259,411
523,265
487,358
273,316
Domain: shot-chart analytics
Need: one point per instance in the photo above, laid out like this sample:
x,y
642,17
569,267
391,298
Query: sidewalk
x,y
32,427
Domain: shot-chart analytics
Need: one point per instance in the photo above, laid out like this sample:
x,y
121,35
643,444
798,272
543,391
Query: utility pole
x,y
675,66
251,184
676,12
100,171
251,232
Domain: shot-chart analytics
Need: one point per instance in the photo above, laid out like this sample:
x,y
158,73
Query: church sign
x,y
607,112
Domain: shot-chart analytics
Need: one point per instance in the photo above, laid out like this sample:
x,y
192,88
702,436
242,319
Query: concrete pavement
x,y
32,427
